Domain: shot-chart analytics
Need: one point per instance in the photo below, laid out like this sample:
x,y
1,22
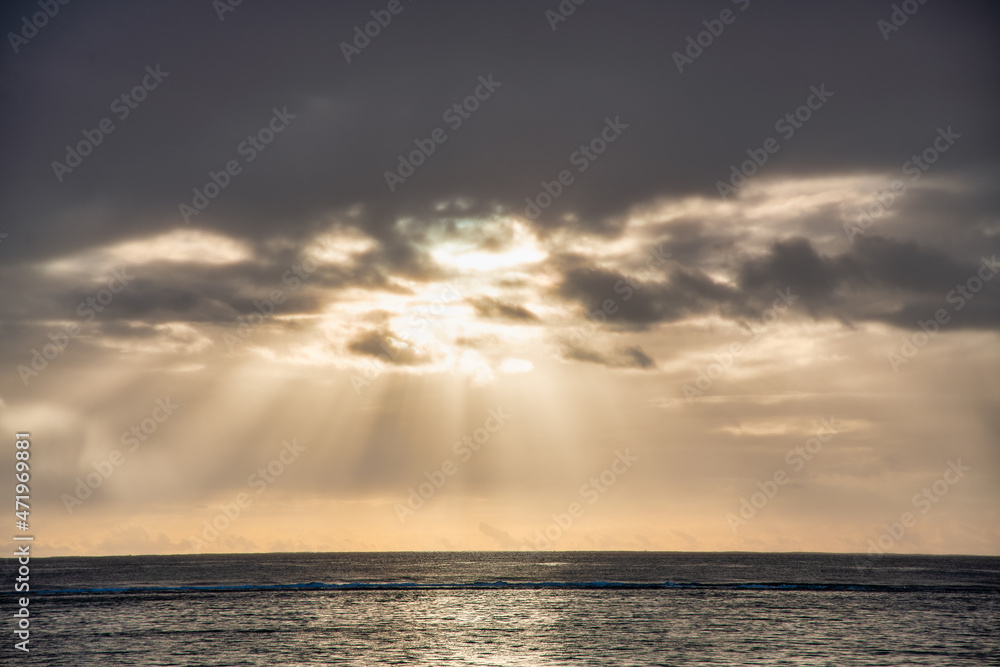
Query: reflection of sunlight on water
x,y
526,627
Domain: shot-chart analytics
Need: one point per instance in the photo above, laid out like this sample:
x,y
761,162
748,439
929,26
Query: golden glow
x,y
340,246
519,247
373,427
192,246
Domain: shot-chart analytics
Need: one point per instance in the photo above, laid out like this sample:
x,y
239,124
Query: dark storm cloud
x,y
488,307
792,263
343,125
904,265
876,279
627,357
896,282
583,354
165,291
629,303
556,88
689,243
388,348
639,357
195,301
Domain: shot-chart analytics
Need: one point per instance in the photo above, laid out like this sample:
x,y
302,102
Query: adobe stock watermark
x,y
455,116
929,328
591,491
248,149
136,435
914,168
900,14
562,12
372,29
30,27
259,480
122,107
223,7
714,28
724,362
437,478
797,457
22,582
87,309
581,158
924,500
787,126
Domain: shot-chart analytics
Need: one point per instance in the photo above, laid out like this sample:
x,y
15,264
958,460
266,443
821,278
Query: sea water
x,y
510,608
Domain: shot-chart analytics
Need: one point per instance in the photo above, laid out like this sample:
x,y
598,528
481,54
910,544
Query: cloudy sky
x,y
630,275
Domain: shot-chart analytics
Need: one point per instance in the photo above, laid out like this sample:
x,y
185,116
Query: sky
x,y
351,276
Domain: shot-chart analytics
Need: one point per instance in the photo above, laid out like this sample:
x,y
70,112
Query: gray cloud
x,y
488,307
880,279
352,120
627,302
631,356
388,348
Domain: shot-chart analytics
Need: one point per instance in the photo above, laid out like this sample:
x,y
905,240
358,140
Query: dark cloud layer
x,y
882,280
550,91
615,297
878,279
557,88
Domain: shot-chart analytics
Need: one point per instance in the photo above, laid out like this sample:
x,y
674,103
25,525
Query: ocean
x,y
509,608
